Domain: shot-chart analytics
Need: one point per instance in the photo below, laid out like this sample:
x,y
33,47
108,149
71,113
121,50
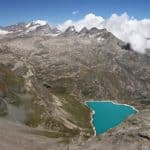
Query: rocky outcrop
x,y
145,134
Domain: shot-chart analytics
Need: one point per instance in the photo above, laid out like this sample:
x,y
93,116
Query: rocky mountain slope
x,y
47,75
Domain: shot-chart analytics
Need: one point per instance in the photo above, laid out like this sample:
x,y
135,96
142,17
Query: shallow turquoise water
x,y
108,115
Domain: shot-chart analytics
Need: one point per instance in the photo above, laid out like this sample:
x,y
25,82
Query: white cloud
x,y
75,12
89,21
124,27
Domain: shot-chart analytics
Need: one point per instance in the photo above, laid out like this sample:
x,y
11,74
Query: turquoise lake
x,y
108,114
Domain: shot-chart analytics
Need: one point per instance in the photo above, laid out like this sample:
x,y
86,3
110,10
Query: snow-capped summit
x,y
40,22
35,24
41,27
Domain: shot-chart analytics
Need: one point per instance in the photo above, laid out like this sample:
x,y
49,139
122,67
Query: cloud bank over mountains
x,y
128,29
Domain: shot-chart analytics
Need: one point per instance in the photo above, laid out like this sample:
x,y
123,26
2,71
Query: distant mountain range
x,y
38,27
42,28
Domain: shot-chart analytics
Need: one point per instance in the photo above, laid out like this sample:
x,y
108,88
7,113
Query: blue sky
x,y
57,11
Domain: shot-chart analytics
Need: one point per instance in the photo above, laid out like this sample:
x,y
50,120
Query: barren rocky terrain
x,y
45,80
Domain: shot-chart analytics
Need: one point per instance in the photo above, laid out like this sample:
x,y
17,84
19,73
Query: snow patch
x,y
3,32
40,22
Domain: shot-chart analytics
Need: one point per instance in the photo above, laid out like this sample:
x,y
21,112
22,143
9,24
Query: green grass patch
x,y
79,112
34,113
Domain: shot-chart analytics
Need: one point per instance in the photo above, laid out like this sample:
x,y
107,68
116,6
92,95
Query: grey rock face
x,y
145,134
70,31
83,31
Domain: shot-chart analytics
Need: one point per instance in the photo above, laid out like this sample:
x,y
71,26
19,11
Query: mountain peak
x,y
37,22
71,29
83,30
94,30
